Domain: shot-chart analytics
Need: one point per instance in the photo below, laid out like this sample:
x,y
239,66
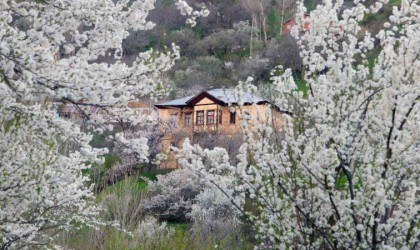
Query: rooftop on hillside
x,y
223,95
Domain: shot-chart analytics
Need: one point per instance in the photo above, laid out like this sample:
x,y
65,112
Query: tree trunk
x,y
281,20
264,26
263,23
252,36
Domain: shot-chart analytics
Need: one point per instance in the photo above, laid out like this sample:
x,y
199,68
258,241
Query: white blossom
x,y
346,174
54,55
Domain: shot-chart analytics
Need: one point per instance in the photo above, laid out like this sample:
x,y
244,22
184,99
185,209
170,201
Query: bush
x,y
172,195
284,52
124,204
211,205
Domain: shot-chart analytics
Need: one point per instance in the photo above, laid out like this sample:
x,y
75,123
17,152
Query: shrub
x,y
172,195
124,205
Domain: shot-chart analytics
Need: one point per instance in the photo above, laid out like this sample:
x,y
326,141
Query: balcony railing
x,y
205,127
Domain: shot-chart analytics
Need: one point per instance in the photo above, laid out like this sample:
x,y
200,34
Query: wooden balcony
x,y
205,128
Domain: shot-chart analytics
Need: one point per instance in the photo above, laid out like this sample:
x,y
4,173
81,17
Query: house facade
x,y
208,113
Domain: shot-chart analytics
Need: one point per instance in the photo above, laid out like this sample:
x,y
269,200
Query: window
x,y
172,145
232,117
188,119
200,118
220,117
210,117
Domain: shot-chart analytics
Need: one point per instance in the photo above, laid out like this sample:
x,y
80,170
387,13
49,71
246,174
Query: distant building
x,y
287,26
74,112
79,113
210,112
145,107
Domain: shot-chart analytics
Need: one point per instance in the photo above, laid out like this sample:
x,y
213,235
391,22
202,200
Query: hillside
x,y
235,41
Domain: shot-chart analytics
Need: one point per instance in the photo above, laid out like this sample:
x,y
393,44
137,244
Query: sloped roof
x,y
229,96
138,104
176,102
224,95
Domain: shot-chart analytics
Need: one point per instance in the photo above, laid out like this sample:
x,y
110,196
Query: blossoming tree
x,y
50,51
346,175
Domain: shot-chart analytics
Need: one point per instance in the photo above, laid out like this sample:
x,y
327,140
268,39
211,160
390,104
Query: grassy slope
x,y
183,236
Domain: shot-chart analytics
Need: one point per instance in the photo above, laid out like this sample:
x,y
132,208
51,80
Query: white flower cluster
x,y
51,52
173,194
186,10
346,175
40,187
151,229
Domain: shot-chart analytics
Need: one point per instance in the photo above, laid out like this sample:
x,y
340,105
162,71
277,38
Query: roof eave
x,y
204,93
160,106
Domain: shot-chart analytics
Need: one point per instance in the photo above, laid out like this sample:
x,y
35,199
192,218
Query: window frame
x,y
219,118
199,119
172,145
188,117
212,120
232,118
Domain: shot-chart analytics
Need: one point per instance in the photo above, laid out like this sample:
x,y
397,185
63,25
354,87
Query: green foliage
x,y
240,54
168,2
200,31
137,183
274,23
310,4
149,46
130,183
110,160
183,237
394,2
98,139
179,226
302,86
98,171
203,71
177,236
15,122
152,174
371,59
374,17
224,37
341,182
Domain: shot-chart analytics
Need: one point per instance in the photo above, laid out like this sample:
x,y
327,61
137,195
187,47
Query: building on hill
x,y
287,25
208,114
78,112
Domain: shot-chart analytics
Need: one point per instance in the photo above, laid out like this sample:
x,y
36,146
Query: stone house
x,y
210,113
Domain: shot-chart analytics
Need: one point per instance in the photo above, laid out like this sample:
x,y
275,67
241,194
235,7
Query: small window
x,y
232,117
210,117
200,118
172,145
220,117
188,119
